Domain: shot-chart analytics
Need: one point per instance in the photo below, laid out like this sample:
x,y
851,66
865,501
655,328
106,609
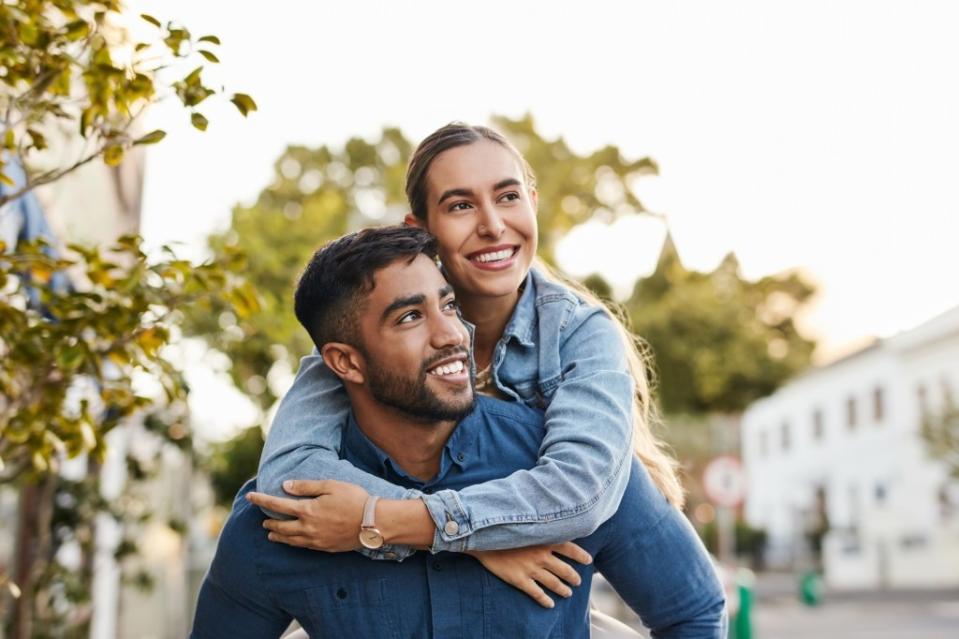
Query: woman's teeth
x,y
494,257
448,369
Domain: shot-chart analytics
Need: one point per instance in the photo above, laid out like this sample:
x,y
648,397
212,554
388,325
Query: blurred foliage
x,y
72,64
940,431
748,542
233,462
718,341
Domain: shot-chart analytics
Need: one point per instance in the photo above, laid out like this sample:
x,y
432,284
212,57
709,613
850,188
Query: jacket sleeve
x,y
583,464
304,443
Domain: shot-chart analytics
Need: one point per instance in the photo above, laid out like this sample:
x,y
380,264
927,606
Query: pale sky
x,y
816,135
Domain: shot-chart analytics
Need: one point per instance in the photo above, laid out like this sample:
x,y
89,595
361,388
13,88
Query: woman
x,y
535,341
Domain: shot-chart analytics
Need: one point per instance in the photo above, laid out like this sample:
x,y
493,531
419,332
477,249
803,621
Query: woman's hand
x,y
330,521
533,568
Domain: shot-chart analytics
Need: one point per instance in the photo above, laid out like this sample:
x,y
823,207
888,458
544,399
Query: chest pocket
x,y
355,609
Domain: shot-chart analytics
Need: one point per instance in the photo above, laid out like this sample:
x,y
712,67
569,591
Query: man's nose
x,y
448,331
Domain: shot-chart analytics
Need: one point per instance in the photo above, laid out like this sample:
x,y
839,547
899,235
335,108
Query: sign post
x,y
725,486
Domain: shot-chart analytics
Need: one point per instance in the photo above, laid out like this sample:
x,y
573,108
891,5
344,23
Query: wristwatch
x,y
370,536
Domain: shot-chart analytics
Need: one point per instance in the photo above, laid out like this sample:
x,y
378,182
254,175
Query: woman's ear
x,y
345,361
412,220
534,199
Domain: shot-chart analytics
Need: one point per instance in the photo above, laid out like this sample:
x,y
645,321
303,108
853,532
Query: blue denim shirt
x,y
647,551
557,353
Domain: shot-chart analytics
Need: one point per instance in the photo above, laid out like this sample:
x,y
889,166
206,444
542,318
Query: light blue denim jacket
x,y
557,353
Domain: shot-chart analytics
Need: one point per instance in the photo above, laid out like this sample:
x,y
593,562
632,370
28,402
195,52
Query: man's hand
x,y
534,566
329,522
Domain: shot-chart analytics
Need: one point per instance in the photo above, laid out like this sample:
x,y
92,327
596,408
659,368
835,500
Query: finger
x,y
546,579
563,570
574,552
307,487
276,504
290,540
532,589
285,527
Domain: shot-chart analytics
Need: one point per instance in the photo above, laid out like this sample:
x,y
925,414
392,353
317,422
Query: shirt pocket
x,y
354,609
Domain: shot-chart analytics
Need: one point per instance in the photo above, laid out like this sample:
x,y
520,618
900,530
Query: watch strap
x,y
369,512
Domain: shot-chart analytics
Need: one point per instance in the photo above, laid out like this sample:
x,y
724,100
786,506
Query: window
x,y
878,404
818,425
851,413
785,436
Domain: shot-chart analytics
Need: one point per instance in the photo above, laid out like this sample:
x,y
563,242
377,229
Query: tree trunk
x,y
32,550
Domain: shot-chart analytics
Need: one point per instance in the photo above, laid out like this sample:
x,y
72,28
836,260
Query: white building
x,y
839,449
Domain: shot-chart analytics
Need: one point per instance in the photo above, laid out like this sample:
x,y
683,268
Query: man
x,y
386,323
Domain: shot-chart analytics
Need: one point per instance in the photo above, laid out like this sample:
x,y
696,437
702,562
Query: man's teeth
x,y
448,369
494,257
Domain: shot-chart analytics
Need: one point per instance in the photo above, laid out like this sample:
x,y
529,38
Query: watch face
x,y
371,538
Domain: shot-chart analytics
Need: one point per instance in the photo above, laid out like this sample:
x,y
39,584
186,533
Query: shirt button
x,y
461,457
437,565
451,527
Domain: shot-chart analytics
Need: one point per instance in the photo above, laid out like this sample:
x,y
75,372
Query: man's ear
x,y
412,220
345,361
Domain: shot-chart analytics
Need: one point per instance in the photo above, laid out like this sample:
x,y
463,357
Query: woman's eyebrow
x,y
454,193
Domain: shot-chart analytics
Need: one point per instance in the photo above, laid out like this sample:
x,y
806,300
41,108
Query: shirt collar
x,y
459,450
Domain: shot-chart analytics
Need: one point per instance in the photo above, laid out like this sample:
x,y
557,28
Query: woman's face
x,y
483,214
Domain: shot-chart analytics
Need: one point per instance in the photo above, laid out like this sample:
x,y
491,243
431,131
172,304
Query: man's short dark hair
x,y
340,275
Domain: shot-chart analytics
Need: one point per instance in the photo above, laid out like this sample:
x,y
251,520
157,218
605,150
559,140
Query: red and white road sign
x,y
724,481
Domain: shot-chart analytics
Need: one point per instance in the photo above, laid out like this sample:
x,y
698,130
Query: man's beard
x,y
413,396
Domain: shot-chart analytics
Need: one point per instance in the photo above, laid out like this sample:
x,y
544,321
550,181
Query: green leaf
x,y
38,139
151,138
209,56
210,38
151,20
9,143
199,121
77,30
5,179
113,155
244,103
141,46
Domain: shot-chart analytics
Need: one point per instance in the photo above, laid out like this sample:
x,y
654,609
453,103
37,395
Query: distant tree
x,y
230,463
940,431
719,341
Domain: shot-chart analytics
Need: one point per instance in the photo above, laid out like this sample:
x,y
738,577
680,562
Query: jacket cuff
x,y
453,526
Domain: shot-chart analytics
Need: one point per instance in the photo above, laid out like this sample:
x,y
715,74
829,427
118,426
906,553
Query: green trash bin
x,y
810,588
741,623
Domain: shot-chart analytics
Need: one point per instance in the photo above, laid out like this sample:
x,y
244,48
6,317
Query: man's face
x,y
415,347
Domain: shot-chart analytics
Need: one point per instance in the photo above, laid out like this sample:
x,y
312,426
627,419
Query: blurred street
x,y
876,615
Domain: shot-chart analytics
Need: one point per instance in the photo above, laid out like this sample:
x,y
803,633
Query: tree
x,y
719,342
940,431
69,71
70,66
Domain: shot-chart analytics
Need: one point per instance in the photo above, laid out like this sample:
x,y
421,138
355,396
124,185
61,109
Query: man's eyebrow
x,y
402,302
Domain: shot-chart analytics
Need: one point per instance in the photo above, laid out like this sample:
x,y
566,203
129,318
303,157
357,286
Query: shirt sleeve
x,y
304,442
653,558
583,464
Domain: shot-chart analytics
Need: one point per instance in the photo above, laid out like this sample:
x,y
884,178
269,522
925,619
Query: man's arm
x,y
652,557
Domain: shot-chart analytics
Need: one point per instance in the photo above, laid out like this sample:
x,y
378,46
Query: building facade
x,y
838,472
